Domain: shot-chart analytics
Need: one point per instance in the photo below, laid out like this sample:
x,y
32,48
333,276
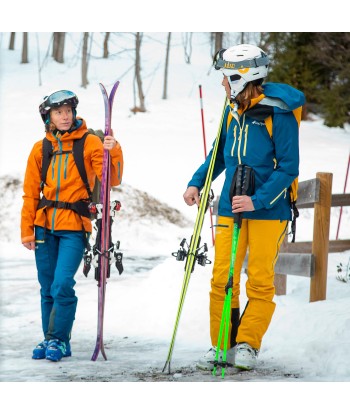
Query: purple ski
x,y
104,246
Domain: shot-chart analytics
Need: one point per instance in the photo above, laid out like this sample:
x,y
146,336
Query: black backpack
x,y
80,207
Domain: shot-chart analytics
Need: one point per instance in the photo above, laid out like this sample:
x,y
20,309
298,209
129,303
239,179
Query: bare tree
x,y
166,67
25,48
138,79
84,61
105,45
58,46
187,42
12,41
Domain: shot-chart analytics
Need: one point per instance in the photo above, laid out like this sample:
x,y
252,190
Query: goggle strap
x,y
248,63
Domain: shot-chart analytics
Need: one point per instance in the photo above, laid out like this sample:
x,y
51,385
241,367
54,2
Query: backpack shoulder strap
x,y
297,114
47,154
78,154
229,119
268,125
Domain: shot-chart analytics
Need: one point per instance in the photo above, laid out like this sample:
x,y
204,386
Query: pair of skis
x,y
193,255
105,210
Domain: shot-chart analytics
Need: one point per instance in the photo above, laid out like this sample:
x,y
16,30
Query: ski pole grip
x,y
239,177
246,179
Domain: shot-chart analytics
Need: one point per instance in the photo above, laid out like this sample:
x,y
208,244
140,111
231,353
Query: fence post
x,y
281,279
320,242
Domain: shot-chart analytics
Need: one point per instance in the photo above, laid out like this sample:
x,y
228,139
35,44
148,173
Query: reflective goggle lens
x,y
59,97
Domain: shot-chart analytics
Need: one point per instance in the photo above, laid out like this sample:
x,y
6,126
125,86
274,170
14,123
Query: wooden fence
x,y
310,259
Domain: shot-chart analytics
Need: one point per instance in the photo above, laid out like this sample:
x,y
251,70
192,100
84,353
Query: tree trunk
x,y
141,107
58,46
219,36
105,45
84,61
166,67
60,49
188,47
25,48
12,41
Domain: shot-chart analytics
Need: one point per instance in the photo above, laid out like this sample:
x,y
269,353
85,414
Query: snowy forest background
x,y
307,60
157,121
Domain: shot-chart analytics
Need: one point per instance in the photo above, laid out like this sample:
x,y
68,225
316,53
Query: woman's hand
x,y
109,142
242,204
191,196
29,245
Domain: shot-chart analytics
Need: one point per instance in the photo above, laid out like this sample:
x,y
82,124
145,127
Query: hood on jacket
x,y
281,94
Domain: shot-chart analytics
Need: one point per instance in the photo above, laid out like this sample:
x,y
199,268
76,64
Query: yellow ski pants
x,y
261,239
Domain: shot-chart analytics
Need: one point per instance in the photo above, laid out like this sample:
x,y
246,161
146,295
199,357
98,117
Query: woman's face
x,y
226,85
62,117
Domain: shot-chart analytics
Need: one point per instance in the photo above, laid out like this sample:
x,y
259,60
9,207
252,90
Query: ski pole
x,y
205,156
341,207
242,184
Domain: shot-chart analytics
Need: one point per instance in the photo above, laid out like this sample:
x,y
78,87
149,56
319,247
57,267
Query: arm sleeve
x,y
31,196
198,179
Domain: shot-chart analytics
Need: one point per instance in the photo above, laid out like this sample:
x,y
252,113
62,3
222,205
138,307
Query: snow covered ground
x,y
307,343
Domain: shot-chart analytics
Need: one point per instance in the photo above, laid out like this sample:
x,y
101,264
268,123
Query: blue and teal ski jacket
x,y
245,139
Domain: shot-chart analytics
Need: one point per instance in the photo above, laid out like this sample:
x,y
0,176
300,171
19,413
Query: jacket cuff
x,y
256,203
116,150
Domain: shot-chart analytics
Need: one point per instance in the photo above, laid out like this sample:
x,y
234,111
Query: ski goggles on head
x,y
56,99
220,63
218,59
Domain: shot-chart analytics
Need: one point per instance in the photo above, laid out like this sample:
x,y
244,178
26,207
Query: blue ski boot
x,y
40,350
57,349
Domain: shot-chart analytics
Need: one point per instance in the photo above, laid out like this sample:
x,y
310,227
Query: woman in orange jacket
x,y
54,222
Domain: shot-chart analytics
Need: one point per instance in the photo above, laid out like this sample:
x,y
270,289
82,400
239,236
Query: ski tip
x,y
103,88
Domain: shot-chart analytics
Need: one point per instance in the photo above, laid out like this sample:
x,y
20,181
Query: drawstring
x,y
294,220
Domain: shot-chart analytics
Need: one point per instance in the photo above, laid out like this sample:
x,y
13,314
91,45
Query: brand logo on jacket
x,y
260,123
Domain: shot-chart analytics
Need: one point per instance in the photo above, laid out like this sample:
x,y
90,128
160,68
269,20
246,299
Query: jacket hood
x,y
291,97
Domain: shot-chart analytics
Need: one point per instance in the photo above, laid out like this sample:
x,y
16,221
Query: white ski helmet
x,y
242,64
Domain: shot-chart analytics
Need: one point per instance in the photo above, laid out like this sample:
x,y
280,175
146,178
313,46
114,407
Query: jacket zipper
x,y
119,171
240,140
65,166
283,191
245,140
234,141
58,182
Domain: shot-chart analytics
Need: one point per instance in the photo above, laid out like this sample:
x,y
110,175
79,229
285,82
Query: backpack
x,y
293,188
81,206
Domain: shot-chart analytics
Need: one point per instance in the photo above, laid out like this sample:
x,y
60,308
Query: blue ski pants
x,y
58,255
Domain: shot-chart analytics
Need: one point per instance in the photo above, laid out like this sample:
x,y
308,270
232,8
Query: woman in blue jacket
x,y
260,130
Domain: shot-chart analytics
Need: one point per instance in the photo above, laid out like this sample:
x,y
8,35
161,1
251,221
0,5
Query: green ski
x,y
193,254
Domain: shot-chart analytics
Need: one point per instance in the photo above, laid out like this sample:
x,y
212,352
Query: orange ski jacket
x,y
63,181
